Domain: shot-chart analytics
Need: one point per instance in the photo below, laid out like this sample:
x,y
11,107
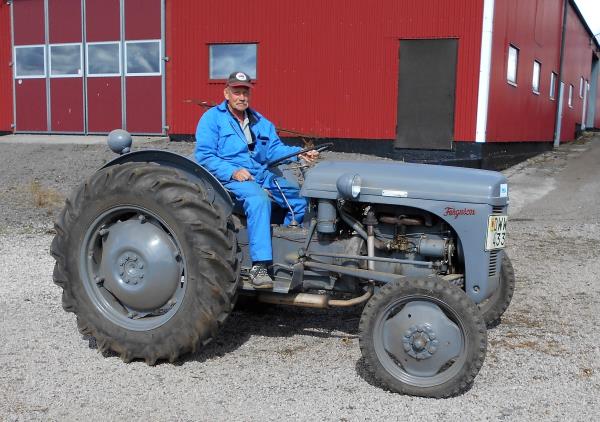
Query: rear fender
x,y
195,173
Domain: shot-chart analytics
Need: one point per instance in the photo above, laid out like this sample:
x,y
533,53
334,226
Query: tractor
x,y
152,255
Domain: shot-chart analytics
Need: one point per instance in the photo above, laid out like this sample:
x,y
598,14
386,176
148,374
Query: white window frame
x,y
15,62
534,88
581,87
553,79
80,75
102,75
254,78
570,96
160,55
508,69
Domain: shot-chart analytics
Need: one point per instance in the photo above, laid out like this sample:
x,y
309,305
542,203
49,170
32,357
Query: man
x,y
234,143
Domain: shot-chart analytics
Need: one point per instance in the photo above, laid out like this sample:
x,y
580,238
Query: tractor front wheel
x,y
494,307
423,337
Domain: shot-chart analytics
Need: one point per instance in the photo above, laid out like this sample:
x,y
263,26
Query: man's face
x,y
238,97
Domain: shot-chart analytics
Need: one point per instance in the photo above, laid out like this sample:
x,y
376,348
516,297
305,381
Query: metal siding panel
x,y
516,113
104,104
64,21
66,98
102,21
6,79
31,105
144,105
29,22
577,64
142,26
327,68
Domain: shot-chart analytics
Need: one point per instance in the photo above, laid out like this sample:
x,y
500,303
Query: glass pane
x,y
143,57
570,95
65,60
513,56
552,84
227,58
30,61
103,59
536,76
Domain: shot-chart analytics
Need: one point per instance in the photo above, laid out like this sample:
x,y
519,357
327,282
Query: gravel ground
x,y
297,364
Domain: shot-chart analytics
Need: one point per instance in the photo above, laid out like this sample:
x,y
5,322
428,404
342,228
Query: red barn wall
x,y
6,72
325,68
577,64
516,113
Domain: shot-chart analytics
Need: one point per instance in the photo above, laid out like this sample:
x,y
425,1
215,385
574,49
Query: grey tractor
x,y
152,254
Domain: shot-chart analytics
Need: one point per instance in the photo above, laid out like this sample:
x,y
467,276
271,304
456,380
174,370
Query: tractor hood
x,y
404,180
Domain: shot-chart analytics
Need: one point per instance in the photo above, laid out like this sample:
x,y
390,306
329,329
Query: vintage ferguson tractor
x,y
151,253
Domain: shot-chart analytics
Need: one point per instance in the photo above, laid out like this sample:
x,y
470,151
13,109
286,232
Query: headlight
x,y
348,185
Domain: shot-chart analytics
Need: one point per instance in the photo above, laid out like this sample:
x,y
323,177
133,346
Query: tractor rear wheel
x,y
147,264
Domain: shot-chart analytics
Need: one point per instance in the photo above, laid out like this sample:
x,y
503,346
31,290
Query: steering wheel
x,y
317,148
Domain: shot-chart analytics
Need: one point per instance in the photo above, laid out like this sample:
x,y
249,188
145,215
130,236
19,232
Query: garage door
x,y
88,66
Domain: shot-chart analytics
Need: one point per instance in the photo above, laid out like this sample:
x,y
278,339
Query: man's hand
x,y
309,156
242,175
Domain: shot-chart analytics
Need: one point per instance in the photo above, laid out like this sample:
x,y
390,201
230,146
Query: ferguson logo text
x,y
458,212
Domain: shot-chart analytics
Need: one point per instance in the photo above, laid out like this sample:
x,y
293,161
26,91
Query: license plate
x,y
496,233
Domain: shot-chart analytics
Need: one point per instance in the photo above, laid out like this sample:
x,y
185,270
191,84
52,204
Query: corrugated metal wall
x,y
6,88
577,64
516,113
327,68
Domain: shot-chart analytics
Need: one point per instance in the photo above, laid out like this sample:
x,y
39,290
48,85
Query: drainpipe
x,y
559,103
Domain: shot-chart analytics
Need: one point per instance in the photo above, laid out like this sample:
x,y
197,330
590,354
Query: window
x,y
104,59
30,62
553,78
535,82
571,96
513,59
227,58
581,87
65,60
142,58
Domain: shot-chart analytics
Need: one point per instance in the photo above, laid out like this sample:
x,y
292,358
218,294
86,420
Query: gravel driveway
x,y
296,364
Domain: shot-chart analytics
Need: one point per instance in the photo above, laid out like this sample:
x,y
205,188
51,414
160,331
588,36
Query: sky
x,y
590,9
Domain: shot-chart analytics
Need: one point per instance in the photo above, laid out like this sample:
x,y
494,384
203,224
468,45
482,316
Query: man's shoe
x,y
260,278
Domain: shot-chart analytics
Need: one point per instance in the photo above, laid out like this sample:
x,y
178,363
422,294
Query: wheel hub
x,y
132,268
140,265
421,338
420,341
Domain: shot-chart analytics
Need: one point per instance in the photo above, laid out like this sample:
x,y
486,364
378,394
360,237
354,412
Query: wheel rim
x,y
420,341
133,268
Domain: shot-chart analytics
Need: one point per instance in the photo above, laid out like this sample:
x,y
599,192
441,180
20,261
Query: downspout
x,y
485,66
559,103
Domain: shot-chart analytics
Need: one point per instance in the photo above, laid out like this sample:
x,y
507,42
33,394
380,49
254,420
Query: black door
x,y
426,85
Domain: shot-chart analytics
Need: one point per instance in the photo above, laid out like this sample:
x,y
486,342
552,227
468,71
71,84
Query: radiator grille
x,y
498,210
493,262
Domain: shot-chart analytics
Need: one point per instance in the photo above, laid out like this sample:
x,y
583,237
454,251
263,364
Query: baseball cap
x,y
239,79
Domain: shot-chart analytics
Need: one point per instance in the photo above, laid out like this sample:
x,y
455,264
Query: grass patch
x,y
44,197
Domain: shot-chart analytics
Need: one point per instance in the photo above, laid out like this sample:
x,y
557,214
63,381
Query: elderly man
x,y
234,143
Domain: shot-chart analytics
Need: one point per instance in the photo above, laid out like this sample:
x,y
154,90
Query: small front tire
x,y
423,337
494,307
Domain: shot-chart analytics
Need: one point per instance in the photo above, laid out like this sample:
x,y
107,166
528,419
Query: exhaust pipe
x,y
308,300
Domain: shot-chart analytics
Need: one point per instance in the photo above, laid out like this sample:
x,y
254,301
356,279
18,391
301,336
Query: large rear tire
x,y
423,337
146,263
494,307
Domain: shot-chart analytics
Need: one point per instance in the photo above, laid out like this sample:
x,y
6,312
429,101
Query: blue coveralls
x,y
222,149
